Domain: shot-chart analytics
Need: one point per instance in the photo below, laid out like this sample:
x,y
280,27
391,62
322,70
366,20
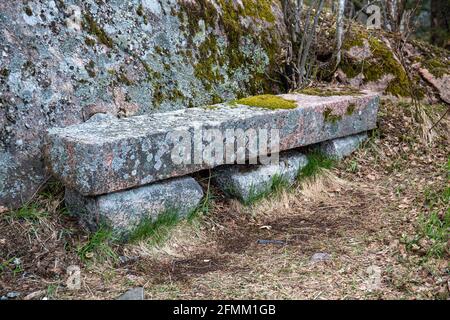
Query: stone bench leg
x,y
248,181
341,147
124,210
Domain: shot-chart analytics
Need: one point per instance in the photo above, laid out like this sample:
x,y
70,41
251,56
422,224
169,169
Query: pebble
x,y
10,295
133,294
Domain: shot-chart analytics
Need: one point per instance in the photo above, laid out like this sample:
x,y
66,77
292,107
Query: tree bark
x,y
394,14
440,23
340,29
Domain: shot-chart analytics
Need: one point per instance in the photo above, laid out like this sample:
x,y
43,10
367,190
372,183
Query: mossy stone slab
x,y
102,157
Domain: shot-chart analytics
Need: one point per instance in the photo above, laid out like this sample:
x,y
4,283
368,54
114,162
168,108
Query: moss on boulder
x,y
370,61
268,101
381,62
328,92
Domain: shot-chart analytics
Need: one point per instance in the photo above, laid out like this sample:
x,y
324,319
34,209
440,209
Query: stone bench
x,y
111,155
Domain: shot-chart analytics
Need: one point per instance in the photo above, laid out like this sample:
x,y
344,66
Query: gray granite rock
x,y
102,157
342,147
13,294
133,294
62,61
100,117
249,181
124,210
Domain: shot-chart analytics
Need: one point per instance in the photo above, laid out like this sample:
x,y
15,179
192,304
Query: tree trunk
x,y
340,29
394,14
440,23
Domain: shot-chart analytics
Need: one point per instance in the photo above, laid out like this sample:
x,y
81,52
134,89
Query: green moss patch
x,y
4,73
229,16
268,101
380,64
328,116
355,39
326,92
93,28
90,68
350,109
434,59
28,11
437,67
211,107
89,42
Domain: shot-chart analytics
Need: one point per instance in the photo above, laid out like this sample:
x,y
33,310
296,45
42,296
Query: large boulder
x,y
63,61
375,61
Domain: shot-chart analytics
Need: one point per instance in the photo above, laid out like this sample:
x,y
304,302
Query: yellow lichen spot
x,y
268,101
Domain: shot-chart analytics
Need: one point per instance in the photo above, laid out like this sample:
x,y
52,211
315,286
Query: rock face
x,y
342,147
375,63
63,61
125,209
442,84
247,182
101,157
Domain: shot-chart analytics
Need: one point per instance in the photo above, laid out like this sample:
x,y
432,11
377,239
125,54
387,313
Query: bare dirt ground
x,y
372,217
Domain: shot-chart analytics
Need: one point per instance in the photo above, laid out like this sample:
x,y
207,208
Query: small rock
x,y
125,259
320,256
373,281
12,295
133,294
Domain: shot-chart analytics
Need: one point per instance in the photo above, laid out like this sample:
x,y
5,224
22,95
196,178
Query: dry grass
x,y
361,213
